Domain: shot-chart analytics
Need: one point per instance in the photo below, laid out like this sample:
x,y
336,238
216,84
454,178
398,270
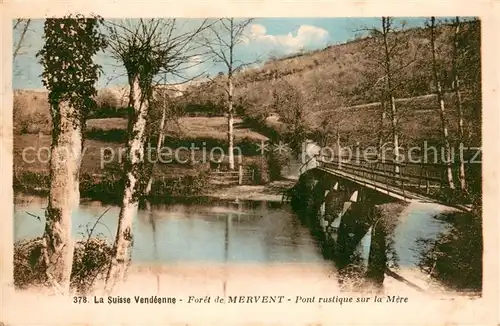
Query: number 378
x,y
79,299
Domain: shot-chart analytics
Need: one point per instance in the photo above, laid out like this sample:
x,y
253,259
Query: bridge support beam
x,y
322,208
364,247
354,197
333,227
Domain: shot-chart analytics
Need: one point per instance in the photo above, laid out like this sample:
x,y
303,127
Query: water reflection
x,y
223,232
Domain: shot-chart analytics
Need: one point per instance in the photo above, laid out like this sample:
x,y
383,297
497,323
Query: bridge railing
x,y
396,177
312,160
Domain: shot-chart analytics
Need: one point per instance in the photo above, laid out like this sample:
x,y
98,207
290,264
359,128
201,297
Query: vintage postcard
x,y
249,162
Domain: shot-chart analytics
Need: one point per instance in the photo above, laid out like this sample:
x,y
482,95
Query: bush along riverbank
x,y
108,187
92,257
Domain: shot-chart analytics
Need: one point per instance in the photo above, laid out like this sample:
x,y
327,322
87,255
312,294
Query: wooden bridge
x,y
423,182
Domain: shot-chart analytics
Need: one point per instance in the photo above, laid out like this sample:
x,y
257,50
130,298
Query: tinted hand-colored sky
x,y
266,37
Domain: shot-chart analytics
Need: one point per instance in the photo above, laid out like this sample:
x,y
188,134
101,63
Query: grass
x,y
104,181
91,161
187,128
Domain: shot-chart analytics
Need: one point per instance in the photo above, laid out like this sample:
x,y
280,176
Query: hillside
x,y
341,85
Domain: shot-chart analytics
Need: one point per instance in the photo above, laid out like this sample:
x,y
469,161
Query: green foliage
x,y
69,72
188,185
455,257
31,181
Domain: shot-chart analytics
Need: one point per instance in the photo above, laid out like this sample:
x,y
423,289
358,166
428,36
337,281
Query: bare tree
x,y
440,99
168,112
458,99
389,57
23,26
386,29
146,48
292,104
225,37
70,76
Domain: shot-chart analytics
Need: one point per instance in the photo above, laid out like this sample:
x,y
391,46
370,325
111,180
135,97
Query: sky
x,y
265,37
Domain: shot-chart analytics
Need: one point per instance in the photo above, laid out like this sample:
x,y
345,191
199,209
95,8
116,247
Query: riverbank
x,y
272,191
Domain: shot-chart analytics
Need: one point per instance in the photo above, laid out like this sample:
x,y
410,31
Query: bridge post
x,y
322,212
322,208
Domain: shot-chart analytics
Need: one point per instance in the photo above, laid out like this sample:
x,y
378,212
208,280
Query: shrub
x,y
92,256
261,171
187,185
455,257
107,99
31,115
31,181
114,135
276,162
108,105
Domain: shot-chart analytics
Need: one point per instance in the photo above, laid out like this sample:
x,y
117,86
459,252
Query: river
x,y
227,231
258,233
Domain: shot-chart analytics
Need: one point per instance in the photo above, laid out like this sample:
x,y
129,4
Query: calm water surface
x,y
222,232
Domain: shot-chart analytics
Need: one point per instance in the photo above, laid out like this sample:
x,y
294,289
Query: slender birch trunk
x,y
456,84
395,136
387,65
159,143
230,118
132,168
65,161
439,92
230,123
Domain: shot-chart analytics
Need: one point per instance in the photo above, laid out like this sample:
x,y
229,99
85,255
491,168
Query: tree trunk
x,y
444,129
386,26
159,144
381,131
395,138
439,91
230,122
338,143
230,118
456,83
65,161
463,184
132,169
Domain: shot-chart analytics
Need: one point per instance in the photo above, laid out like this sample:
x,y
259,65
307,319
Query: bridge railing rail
x,y
391,176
